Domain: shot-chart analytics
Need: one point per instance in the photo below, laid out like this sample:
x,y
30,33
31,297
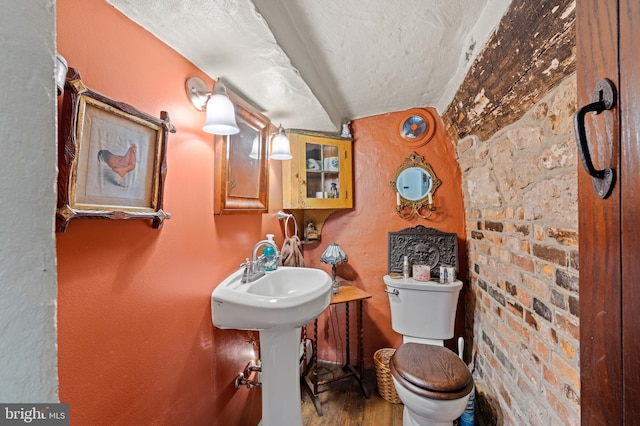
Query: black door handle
x,y
604,98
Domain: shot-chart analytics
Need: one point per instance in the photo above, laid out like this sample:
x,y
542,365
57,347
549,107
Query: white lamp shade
x,y
61,72
255,148
221,116
280,149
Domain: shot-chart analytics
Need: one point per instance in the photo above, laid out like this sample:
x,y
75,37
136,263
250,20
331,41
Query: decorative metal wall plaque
x,y
424,246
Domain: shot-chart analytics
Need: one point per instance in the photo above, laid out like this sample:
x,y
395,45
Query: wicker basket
x,y
386,388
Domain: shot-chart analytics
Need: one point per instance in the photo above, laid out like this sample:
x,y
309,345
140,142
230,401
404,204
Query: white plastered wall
x,y
28,285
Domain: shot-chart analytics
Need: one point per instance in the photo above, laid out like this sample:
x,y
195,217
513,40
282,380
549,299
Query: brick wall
x,y
520,192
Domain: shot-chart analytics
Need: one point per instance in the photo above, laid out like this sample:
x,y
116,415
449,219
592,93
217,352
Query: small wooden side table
x,y
346,294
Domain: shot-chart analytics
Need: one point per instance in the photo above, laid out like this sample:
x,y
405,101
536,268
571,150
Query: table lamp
x,y
333,256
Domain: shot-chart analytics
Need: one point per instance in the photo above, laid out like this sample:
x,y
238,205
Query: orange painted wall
x,y
363,231
136,343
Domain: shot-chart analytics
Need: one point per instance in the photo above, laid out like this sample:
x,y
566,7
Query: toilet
x,y
433,383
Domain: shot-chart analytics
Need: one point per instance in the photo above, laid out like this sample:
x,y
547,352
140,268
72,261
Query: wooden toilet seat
x,y
431,371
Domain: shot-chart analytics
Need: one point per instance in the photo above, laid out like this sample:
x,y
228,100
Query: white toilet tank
x,y
423,310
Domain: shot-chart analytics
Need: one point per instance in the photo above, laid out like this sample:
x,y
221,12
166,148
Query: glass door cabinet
x,y
319,176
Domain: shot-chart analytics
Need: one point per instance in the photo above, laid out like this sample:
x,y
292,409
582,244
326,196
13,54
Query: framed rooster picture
x,y
111,161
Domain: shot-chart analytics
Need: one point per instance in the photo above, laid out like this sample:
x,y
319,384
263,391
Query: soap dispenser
x,y
270,262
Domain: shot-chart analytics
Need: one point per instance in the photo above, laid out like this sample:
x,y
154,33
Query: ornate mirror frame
x,y
241,176
422,207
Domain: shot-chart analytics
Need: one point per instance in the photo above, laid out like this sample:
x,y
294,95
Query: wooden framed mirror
x,y
241,181
414,184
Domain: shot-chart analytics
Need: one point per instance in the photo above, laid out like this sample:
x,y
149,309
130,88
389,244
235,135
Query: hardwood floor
x,y
344,404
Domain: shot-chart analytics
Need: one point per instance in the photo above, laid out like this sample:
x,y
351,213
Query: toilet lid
x,y
431,371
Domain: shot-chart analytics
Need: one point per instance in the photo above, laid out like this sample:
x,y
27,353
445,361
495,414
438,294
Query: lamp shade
x,y
280,148
255,149
61,72
333,255
221,115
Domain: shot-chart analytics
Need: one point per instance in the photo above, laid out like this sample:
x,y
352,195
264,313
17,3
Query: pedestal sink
x,y
277,305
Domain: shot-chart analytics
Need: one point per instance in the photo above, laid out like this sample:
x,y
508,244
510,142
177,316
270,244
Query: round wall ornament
x,y
416,127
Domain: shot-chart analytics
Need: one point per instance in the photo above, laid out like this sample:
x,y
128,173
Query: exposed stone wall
x,y
531,52
520,192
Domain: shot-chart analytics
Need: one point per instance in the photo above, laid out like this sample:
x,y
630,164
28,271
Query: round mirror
x,y
414,183
416,127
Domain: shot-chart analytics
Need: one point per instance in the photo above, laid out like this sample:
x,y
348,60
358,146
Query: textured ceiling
x,y
313,64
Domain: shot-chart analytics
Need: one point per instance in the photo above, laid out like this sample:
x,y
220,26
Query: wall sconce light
x,y
221,115
61,72
280,148
407,209
334,255
255,148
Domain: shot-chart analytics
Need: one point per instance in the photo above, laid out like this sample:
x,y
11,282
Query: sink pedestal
x,y
277,304
279,352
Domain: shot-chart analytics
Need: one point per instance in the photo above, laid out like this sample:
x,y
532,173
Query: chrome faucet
x,y
254,268
261,243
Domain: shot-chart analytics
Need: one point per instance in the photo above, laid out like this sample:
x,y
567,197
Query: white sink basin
x,y
286,297
277,305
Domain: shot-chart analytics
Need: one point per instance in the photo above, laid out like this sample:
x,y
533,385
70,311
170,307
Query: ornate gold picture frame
x,y
111,160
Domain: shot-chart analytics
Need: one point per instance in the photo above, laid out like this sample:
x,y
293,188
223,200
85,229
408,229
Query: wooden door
x,y
630,205
607,46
